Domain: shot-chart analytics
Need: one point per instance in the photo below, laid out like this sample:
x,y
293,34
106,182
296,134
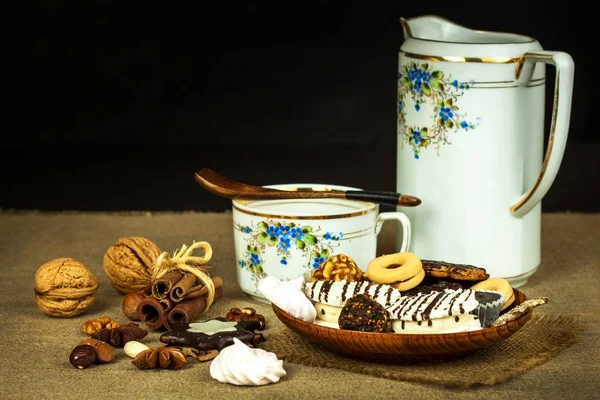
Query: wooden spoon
x,y
231,189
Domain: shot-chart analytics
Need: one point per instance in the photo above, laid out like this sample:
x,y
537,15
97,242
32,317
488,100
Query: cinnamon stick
x,y
202,290
163,286
166,303
151,312
189,309
181,288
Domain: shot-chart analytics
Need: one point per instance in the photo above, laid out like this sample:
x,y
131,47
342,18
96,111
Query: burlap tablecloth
x,y
35,348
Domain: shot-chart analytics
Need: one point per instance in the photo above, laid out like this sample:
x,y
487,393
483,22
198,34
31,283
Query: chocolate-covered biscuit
x,y
215,334
438,286
459,272
362,313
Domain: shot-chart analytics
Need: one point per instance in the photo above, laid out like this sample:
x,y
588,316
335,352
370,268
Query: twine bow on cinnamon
x,y
184,261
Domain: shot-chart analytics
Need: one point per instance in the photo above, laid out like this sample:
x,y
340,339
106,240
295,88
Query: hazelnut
x,y
83,356
130,303
64,287
128,263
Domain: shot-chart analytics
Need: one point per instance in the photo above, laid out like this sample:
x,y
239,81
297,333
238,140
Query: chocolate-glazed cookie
x,y
438,286
215,334
459,272
362,313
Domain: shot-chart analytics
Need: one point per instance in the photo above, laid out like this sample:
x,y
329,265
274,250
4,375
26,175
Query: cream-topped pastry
x,y
239,364
288,296
336,293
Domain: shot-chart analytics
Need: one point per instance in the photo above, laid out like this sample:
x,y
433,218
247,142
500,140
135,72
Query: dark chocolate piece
x,y
179,335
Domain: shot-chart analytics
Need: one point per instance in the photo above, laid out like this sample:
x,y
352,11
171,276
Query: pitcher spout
x,y
439,29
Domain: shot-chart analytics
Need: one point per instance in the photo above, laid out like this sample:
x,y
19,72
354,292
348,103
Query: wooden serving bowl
x,y
410,348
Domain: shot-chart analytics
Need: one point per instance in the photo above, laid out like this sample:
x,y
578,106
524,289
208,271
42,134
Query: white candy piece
x,y
288,296
133,348
242,365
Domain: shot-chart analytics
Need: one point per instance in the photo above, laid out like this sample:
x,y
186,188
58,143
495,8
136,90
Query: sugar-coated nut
x,y
64,287
82,356
133,348
336,268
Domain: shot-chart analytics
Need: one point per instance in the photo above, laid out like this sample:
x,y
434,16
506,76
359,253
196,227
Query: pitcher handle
x,y
404,222
559,128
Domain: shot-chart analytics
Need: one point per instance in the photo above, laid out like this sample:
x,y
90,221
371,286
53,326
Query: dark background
x,y
114,105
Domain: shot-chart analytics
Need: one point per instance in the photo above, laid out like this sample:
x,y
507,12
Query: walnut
x,y
128,263
246,314
117,337
163,357
64,287
94,325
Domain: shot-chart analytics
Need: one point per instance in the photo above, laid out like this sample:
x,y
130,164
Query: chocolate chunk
x,y
187,335
362,313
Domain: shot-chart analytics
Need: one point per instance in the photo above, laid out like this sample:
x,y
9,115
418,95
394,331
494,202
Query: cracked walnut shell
x,y
128,263
64,287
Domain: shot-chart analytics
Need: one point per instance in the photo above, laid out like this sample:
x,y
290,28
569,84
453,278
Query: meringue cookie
x,y
239,364
288,296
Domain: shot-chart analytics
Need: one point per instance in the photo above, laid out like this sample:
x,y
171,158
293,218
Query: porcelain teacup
x,y
290,238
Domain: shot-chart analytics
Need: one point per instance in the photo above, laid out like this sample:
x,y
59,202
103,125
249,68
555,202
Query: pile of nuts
x,y
106,335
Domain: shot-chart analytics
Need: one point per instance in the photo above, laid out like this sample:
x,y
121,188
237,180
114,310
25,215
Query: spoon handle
x,y
389,198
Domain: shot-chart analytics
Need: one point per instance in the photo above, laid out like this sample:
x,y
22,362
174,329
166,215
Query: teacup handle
x,y
404,222
559,129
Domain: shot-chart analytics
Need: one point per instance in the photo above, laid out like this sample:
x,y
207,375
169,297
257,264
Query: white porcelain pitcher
x,y
471,143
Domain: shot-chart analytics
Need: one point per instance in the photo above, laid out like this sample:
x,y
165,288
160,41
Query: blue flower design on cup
x,y
317,261
283,238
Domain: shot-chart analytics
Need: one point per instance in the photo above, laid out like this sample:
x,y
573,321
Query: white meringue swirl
x,y
241,365
288,296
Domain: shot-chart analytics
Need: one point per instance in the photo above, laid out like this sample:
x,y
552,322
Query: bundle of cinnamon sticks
x,y
175,297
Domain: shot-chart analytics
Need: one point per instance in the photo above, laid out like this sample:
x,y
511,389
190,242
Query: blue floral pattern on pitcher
x,y
422,84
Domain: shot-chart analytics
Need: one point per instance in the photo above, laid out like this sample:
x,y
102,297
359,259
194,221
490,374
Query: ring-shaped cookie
x,y
411,283
498,285
392,268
